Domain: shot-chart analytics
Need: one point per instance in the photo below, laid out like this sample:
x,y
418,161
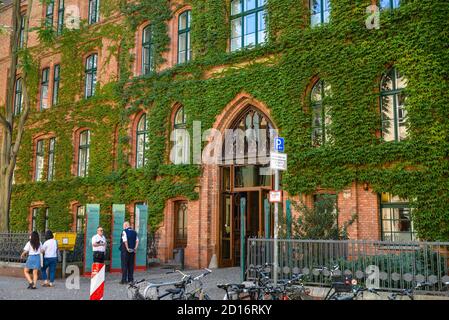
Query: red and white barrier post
x,y
97,281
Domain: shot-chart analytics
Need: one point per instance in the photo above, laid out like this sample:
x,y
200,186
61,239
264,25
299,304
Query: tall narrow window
x,y
147,50
389,4
247,23
94,11
319,11
180,224
83,153
181,149
40,159
320,114
49,13
56,79
44,88
22,32
397,222
46,219
51,159
392,103
141,141
91,75
18,97
184,49
34,215
60,17
80,218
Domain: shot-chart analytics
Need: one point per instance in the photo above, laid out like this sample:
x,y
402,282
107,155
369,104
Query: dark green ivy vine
x,y
347,55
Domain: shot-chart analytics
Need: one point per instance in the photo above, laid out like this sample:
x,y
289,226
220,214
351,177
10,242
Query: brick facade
x,y
203,214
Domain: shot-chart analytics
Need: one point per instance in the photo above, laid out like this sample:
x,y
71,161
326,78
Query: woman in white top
x,y
33,249
50,251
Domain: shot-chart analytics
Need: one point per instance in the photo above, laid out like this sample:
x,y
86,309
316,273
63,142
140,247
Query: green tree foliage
x,y
320,221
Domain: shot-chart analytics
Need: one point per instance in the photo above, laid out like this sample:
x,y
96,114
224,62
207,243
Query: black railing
x,y
12,244
388,265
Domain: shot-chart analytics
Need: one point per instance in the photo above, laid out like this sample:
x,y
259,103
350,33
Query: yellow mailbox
x,y
66,240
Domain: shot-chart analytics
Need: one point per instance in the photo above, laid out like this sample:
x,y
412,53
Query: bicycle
x,y
198,292
239,291
263,289
343,284
410,293
179,292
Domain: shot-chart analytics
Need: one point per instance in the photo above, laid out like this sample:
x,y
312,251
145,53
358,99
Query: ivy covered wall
x,y
348,56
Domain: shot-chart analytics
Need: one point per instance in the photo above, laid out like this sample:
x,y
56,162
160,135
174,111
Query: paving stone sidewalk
x,y
16,288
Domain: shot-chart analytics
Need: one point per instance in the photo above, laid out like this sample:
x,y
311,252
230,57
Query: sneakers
x,y
48,285
123,282
30,286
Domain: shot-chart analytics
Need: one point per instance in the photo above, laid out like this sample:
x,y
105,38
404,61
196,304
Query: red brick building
x,y
209,225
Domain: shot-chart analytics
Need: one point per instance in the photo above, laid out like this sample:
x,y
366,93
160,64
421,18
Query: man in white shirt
x,y
99,246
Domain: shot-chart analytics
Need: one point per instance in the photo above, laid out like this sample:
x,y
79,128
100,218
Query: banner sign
x,y
118,218
141,216
92,223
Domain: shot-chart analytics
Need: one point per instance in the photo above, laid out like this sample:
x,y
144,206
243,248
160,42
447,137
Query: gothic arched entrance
x,y
245,174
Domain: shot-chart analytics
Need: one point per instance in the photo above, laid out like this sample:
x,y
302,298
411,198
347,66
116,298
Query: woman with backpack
x,y
33,249
50,251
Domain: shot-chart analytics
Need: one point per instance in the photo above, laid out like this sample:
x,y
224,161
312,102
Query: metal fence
x,y
11,246
389,265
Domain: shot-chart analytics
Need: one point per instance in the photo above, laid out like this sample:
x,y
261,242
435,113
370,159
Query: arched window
x,y
247,23
184,48
91,75
319,12
147,50
39,219
142,140
180,137
18,97
83,153
252,139
392,106
44,146
180,224
320,113
389,4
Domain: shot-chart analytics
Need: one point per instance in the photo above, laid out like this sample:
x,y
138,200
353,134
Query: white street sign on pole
x,y
278,161
275,196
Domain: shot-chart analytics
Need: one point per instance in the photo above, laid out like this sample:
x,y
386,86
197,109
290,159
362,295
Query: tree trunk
x,y
9,147
5,197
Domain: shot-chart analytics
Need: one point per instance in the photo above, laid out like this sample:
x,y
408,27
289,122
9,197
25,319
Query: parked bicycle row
x,y
262,287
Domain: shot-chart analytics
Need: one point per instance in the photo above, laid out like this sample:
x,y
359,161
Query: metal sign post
x,y
278,161
276,233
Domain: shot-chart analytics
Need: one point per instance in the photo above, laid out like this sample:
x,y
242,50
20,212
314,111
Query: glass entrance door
x,y
230,223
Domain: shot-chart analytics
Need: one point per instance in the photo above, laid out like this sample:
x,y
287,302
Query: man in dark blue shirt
x,y
128,247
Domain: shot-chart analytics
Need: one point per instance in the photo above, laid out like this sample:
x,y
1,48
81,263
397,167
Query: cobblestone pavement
x,y
16,288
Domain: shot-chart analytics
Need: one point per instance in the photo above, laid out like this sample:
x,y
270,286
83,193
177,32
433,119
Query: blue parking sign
x,y
279,144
